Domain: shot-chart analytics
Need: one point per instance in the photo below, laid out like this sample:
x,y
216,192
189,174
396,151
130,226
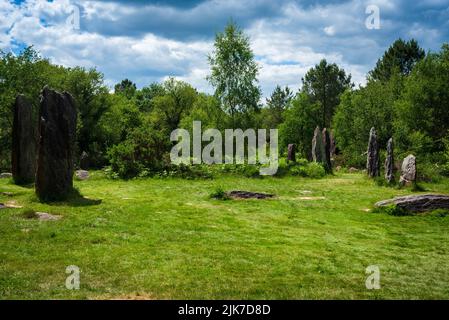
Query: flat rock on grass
x,y
47,216
248,195
418,203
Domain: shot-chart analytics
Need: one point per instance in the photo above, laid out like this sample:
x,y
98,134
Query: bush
x,y
219,194
392,210
314,170
143,153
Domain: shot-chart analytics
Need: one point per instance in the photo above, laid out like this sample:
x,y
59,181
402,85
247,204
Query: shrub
x,y
314,170
29,214
219,194
392,210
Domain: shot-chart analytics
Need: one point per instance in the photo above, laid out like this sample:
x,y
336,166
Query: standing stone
x,y
389,162
23,153
326,151
291,156
408,171
57,130
84,161
317,146
373,160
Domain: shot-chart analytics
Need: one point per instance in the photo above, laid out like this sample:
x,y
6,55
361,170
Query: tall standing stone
x,y
23,153
317,146
326,151
389,162
291,155
373,159
408,171
57,130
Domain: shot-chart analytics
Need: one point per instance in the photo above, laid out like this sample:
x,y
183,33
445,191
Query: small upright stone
x,y
84,161
389,162
291,156
57,130
23,153
317,146
326,151
408,171
373,160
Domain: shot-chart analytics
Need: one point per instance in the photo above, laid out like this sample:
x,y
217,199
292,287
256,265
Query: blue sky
x,y
148,41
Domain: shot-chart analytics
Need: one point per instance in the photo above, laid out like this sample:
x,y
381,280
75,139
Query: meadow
x,y
157,238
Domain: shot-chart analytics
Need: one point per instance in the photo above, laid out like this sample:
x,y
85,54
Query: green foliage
x,y
393,210
234,72
126,88
175,104
276,105
358,112
422,117
219,194
29,214
145,149
400,57
324,84
299,124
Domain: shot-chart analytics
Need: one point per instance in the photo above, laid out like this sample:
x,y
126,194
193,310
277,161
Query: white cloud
x,y
127,41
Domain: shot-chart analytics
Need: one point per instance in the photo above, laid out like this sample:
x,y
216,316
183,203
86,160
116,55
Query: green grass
x,y
167,239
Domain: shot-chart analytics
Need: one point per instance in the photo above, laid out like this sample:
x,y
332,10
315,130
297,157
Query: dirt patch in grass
x,y
238,194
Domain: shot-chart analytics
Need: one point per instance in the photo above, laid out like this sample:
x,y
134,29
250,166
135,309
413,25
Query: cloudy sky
x,y
148,41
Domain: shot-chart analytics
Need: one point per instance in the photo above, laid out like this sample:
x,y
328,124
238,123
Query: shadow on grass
x,y
75,199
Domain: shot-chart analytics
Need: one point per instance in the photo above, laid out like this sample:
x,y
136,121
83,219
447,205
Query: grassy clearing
x,y
167,239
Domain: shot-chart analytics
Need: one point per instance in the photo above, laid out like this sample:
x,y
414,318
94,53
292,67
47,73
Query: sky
x,y
148,41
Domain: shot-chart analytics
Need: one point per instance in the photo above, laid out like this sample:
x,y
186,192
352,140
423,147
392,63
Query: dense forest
x,y
127,130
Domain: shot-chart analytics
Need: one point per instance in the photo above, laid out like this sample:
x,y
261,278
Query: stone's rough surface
x,y
317,145
353,170
44,216
291,156
418,203
82,174
248,195
84,161
23,153
373,159
408,170
389,162
5,175
327,164
57,130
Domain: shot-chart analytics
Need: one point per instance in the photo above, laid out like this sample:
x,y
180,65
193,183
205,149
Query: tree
x,y
276,105
299,124
422,117
91,99
324,84
234,72
400,57
26,73
358,112
126,87
145,96
175,104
